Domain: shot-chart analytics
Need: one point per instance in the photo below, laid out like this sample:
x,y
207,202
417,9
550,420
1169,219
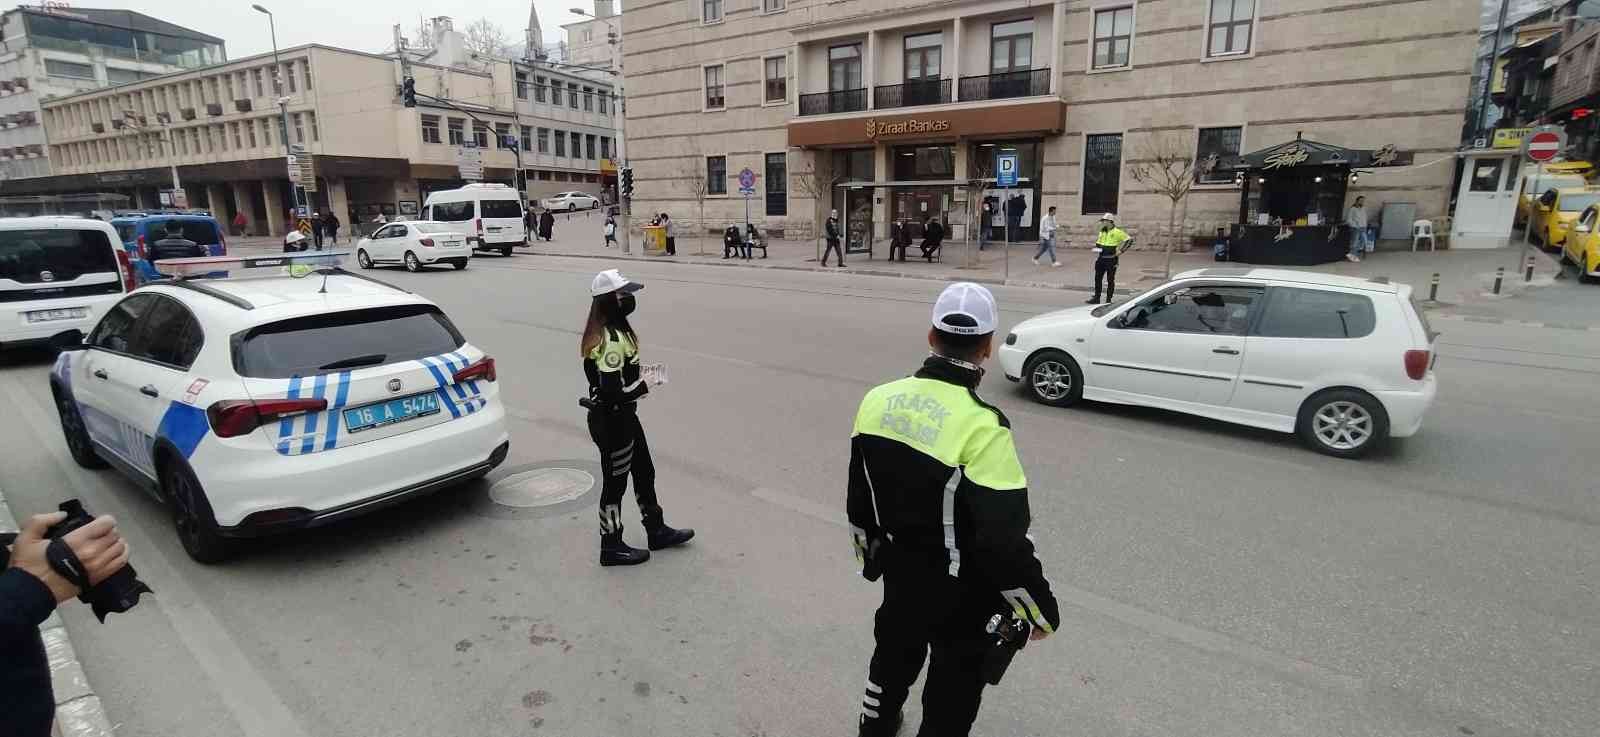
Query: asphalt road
x,y
1214,580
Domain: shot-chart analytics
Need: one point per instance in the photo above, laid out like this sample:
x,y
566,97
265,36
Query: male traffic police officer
x,y
938,502
1108,245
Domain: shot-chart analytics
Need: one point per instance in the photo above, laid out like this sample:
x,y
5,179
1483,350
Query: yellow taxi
x,y
1533,186
1583,244
1556,211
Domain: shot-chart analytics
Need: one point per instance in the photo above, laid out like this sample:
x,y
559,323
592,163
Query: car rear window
x,y
203,232
501,209
300,346
125,231
1577,202
452,212
54,254
1313,313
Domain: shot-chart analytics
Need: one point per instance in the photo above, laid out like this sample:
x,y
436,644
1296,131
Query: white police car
x,y
254,405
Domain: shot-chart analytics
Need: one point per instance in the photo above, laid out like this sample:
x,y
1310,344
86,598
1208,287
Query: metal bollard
x,y
1528,275
1499,274
1433,288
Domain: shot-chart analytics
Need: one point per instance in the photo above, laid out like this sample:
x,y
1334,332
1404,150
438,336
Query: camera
x,y
1010,635
118,593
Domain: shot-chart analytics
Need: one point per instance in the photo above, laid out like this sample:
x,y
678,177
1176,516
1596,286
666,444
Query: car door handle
x,y
101,374
149,391
1226,351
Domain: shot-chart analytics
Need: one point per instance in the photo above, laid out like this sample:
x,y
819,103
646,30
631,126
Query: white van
x,y
57,275
490,215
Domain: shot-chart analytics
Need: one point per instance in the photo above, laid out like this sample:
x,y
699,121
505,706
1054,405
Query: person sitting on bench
x,y
932,238
732,244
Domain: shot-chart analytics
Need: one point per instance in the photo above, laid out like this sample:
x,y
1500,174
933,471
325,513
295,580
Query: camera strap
x,y
6,538
63,561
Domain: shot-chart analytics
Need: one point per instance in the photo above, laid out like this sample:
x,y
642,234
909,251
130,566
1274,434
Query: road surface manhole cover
x,y
541,487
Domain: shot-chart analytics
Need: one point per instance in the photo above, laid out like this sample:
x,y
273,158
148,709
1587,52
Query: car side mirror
x,y
68,340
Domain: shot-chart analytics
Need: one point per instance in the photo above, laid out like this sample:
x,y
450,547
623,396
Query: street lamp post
x,y
620,110
283,104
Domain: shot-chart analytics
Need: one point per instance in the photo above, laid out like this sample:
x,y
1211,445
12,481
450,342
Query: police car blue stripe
x,y
286,425
318,391
339,399
472,385
438,378
459,390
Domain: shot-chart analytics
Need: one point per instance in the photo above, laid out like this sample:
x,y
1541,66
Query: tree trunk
x,y
1172,216
700,240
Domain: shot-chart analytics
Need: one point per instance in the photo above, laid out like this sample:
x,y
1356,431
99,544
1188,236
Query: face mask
x,y
625,305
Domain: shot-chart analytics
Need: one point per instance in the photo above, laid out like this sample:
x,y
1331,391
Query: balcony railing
x,y
1004,85
838,101
908,94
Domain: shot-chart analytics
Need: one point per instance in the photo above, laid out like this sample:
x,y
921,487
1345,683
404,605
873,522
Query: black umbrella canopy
x,y
1305,153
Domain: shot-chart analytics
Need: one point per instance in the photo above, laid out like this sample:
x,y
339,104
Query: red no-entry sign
x,y
1543,145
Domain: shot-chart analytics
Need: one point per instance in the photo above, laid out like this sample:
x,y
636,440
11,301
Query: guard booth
x,y
1486,199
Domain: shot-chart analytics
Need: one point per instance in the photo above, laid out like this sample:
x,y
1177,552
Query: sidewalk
x,y
1464,276
78,710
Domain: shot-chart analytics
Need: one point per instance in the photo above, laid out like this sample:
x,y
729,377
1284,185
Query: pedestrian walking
x,y
610,350
1047,238
945,526
316,230
239,223
611,230
1108,245
380,219
670,233
831,229
1356,220
932,238
528,225
985,223
331,222
547,225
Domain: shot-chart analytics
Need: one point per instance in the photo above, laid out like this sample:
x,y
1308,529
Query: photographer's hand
x,y
98,546
1038,633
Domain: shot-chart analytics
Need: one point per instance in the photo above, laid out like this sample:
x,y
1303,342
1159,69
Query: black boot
x,y
660,535
615,552
880,727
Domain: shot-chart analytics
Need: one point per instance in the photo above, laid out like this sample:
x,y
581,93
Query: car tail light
x,y
144,252
127,270
427,242
479,223
234,417
483,369
1417,364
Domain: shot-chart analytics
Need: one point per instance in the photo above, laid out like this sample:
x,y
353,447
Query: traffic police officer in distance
x,y
610,351
939,504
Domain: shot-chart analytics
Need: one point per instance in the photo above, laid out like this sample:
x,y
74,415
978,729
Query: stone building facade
x,y
885,109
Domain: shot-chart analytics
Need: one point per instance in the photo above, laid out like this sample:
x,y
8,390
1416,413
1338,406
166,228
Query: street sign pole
x,y
1005,177
1541,145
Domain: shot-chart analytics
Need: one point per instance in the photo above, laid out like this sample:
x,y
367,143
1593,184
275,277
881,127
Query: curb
x,y
78,711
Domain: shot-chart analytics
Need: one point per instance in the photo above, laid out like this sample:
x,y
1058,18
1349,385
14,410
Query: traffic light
x,y
1582,112
408,92
627,181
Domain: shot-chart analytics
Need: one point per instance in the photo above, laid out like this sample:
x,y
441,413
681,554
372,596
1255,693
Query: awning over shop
x,y
1304,153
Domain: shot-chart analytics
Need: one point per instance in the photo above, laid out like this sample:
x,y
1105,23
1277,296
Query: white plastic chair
x,y
1423,229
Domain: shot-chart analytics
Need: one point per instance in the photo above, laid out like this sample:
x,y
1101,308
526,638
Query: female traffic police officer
x,y
610,351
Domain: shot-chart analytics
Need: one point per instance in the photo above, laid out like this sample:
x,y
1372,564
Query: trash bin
x,y
655,240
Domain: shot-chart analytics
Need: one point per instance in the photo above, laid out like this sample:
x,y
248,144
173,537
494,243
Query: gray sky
x,y
363,25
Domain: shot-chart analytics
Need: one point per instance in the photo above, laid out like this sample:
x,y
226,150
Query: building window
x,y
299,128
588,99
588,147
502,133
561,143
250,131
714,99
311,120
716,175
921,57
1102,173
777,79
605,147
710,11
777,184
1228,27
1216,145
430,129
238,138
1113,36
522,85
572,96
1011,47
772,6
605,102
555,93
561,176
538,89
68,69
542,175
306,69
588,35
544,140
527,138
457,131
267,124
844,68
288,73
255,80
228,79
480,134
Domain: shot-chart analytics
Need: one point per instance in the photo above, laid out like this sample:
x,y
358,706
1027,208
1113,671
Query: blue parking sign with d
x,y
1005,170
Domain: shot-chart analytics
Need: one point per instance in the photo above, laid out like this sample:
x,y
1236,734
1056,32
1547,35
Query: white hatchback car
x,y
57,275
570,201
1346,363
252,406
414,244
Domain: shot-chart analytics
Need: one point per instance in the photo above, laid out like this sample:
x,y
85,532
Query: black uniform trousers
x,y
925,609
1106,269
833,247
623,450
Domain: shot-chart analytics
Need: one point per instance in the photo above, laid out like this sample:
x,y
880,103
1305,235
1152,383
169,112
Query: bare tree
x,y
695,180
817,183
484,38
1167,165
421,36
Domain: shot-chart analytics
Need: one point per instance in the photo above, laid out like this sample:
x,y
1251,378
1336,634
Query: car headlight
x,y
1011,339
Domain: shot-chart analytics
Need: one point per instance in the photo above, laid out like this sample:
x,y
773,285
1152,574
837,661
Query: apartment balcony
x,y
838,101
1006,85
913,93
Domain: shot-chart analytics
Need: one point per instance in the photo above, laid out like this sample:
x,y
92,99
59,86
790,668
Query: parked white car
x,y
58,274
1345,363
570,201
414,244
252,406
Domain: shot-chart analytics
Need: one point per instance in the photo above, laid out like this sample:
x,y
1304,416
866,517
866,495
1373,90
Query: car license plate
x,y
390,412
69,313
